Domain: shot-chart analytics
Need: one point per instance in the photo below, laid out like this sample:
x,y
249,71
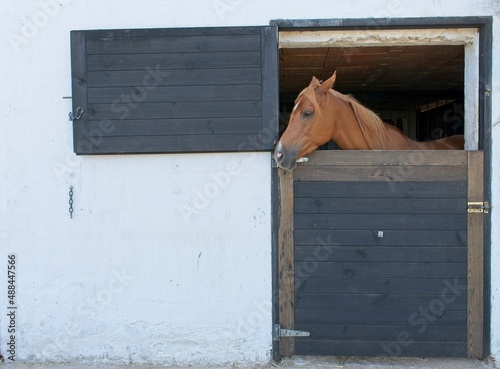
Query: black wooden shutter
x,y
174,90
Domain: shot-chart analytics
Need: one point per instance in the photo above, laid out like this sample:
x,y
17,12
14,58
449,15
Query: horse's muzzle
x,y
285,159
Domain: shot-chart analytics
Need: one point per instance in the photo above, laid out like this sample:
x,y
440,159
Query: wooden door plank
x,y
368,221
381,189
424,286
380,205
475,257
385,158
397,253
378,333
386,349
388,173
381,269
286,261
374,301
372,317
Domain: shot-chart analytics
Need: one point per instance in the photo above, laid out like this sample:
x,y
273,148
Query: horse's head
x,y
307,129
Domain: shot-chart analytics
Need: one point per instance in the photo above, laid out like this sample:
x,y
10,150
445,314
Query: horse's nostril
x,y
279,155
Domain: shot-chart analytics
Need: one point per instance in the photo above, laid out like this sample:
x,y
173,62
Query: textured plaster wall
x,y
137,275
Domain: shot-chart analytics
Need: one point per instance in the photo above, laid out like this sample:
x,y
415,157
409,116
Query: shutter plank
x,y
240,92
173,44
179,127
210,60
155,76
219,109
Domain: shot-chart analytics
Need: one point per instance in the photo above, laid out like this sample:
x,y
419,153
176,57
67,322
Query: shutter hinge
x,y
478,206
279,332
487,90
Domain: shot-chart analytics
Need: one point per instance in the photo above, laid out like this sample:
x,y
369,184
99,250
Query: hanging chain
x,y
71,202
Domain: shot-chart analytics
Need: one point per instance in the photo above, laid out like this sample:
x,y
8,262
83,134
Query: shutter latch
x,y
77,115
478,207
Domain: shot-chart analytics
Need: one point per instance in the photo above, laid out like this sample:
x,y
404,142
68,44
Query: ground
x,y
300,363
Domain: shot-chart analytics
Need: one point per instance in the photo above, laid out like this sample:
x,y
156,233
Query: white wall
x,y
128,279
131,278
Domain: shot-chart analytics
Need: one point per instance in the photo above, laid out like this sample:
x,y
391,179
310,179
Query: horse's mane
x,y
373,129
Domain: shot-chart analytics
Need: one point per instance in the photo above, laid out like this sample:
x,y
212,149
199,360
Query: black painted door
x,y
381,248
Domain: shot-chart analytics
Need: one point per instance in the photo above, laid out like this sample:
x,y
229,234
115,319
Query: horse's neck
x,y
348,135
402,142
363,130
346,132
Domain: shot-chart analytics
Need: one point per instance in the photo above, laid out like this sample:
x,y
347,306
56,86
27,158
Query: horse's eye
x,y
307,114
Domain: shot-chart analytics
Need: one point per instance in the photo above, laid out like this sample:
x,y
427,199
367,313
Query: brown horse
x,y
321,114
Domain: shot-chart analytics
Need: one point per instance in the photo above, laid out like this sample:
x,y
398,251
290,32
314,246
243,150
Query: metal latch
x,y
478,207
280,332
78,114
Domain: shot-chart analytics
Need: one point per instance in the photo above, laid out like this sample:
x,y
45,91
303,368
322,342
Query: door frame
x,y
484,25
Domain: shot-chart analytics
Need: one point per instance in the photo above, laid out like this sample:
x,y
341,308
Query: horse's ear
x,y
314,82
328,84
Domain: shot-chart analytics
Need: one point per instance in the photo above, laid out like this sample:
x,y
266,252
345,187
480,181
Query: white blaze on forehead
x,y
295,107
